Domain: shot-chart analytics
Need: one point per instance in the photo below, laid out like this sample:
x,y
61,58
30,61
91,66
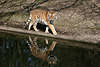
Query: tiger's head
x,y
52,59
52,16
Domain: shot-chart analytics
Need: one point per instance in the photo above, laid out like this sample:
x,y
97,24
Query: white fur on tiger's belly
x,y
41,21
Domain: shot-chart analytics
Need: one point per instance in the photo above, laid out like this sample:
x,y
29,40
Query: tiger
x,y
45,17
42,53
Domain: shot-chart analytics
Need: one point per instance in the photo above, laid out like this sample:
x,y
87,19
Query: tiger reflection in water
x,y
42,53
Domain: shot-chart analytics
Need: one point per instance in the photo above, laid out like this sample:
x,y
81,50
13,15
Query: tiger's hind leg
x,y
30,25
47,29
35,26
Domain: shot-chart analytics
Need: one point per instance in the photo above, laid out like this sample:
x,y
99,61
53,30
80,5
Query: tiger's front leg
x,y
47,29
52,29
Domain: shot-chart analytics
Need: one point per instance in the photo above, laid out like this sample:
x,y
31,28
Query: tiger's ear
x,y
55,17
48,12
56,12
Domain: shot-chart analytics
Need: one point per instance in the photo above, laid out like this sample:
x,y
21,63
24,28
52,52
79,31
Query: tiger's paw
x,y
46,31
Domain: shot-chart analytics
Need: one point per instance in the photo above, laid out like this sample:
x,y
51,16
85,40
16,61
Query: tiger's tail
x,y
27,22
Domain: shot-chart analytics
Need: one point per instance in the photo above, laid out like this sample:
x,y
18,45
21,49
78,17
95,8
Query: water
x,y
34,51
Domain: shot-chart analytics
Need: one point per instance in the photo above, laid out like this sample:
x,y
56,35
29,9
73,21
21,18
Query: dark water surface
x,y
33,51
